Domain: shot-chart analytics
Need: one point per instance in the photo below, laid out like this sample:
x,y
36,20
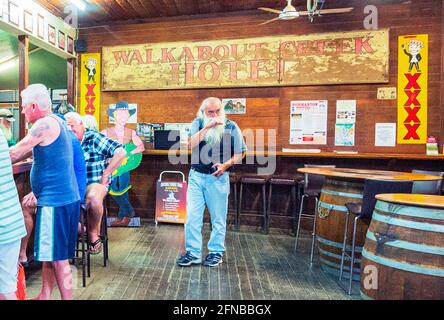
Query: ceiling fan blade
x,y
326,11
268,21
270,10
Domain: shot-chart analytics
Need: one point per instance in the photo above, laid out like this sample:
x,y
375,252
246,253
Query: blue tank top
x,y
53,181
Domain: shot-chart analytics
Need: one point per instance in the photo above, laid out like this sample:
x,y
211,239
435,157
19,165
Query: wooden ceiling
x,y
105,12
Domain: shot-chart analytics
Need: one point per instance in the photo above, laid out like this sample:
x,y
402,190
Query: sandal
x,y
93,244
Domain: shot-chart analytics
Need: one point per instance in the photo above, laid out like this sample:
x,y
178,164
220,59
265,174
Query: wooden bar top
x,y
22,166
422,200
362,174
318,154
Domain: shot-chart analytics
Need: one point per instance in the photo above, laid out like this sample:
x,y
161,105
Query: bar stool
x,y
312,185
428,187
364,210
82,246
282,181
234,178
253,180
104,232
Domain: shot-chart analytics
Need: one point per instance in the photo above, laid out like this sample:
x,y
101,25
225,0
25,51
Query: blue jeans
x,y
211,191
125,207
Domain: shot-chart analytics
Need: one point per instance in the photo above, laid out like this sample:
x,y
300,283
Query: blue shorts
x,y
56,232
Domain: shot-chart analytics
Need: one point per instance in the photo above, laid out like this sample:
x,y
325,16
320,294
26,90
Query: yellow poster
x,y
413,60
325,58
90,85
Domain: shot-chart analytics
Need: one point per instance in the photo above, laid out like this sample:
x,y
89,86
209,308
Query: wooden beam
x,y
23,49
71,81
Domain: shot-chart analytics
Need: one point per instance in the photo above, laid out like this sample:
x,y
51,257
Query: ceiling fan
x,y
313,8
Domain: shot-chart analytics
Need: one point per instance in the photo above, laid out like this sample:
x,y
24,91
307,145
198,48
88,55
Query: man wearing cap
x,y
6,117
120,185
98,150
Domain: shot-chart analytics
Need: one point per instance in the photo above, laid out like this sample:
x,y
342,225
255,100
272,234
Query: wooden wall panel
x,y
180,105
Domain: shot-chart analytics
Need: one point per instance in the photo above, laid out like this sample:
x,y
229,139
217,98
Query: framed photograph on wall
x,y
28,21
51,34
13,13
40,26
70,45
61,40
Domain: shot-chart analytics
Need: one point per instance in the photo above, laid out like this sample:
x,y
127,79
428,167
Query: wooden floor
x,y
256,266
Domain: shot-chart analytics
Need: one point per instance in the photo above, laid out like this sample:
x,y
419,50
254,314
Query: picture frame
x,y
28,21
70,45
61,40
13,10
40,26
51,34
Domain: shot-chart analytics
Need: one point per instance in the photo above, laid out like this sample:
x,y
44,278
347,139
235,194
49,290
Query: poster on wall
x,y
412,88
385,134
308,122
235,105
132,108
345,123
90,85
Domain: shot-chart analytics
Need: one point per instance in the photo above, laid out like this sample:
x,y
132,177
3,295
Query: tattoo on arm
x,y
38,130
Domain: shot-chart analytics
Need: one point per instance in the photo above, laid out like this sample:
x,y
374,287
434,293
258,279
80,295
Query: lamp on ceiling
x,y
79,4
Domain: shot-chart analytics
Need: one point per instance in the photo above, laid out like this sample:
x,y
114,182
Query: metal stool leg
x,y
239,209
270,191
352,262
344,245
293,208
235,201
313,235
299,223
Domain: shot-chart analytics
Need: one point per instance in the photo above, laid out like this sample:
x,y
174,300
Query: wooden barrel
x,y
403,255
330,225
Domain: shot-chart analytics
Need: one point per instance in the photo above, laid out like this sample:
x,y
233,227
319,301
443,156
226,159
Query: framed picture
x,y
70,47
28,21
51,34
40,26
61,40
13,13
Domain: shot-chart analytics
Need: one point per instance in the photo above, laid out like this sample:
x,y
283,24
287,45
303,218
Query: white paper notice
x,y
308,122
385,134
345,111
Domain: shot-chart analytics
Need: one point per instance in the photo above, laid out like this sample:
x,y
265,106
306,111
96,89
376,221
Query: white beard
x,y
7,132
214,135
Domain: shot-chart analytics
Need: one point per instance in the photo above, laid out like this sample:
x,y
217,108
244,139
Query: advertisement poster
x,y
308,122
90,85
171,202
344,134
235,105
412,88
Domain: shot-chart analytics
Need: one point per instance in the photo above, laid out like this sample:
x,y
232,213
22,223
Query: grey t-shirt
x,y
206,155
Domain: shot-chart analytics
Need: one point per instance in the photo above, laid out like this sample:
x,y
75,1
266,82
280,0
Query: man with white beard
x,y
217,144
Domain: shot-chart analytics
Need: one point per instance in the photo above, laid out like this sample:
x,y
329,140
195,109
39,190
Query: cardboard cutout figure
x,y
121,177
6,117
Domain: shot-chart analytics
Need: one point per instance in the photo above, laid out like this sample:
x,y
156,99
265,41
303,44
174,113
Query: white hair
x,y
203,106
38,94
90,122
74,115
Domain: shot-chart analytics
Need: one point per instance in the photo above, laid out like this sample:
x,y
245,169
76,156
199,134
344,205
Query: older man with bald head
x,y
217,144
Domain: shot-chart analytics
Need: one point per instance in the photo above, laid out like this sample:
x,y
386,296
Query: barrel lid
x,y
422,200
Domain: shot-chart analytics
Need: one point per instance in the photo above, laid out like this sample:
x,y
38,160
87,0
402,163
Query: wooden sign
x,y
330,58
412,88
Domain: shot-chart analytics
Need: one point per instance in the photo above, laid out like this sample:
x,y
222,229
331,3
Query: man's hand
x,y
29,200
214,123
220,169
105,179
